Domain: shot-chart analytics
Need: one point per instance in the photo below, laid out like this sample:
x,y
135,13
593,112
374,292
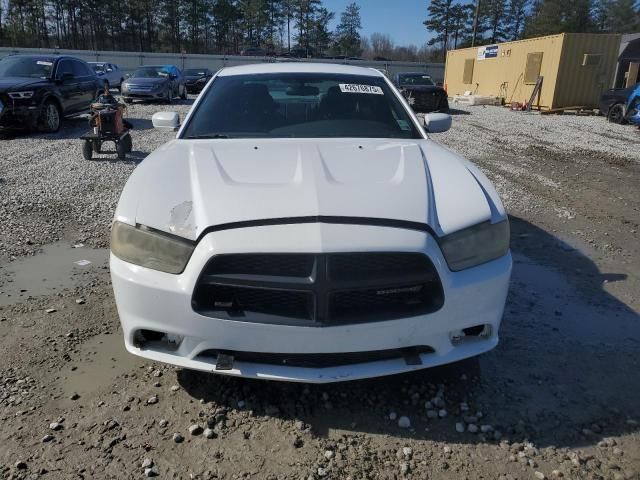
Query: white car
x,y
302,226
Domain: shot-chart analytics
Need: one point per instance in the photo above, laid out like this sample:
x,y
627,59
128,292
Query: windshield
x,y
151,72
195,72
25,67
415,79
300,105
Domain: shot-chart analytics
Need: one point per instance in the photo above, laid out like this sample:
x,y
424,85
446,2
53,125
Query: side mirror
x,y
166,120
172,76
437,122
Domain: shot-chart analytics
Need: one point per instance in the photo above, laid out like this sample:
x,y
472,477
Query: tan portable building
x,y
576,69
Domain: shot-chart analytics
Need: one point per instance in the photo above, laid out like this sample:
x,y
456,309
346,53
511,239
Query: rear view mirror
x,y
166,120
437,122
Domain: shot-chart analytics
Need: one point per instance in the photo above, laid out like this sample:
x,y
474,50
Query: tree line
x,y
456,23
193,26
300,26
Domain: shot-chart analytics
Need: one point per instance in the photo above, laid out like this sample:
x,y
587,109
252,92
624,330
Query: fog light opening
x,y
483,332
156,340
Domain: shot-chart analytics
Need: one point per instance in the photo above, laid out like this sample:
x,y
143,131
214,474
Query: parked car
x,y
109,73
632,106
303,226
37,91
612,104
422,93
154,82
196,78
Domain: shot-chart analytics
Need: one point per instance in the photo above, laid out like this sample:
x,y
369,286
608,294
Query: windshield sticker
x,y
42,62
355,88
404,125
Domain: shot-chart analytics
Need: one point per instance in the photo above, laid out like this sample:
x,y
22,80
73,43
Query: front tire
x,y
169,98
128,143
50,117
616,114
87,150
121,150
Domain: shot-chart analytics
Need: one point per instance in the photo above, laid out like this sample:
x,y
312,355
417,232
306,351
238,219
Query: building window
x,y
591,59
467,74
532,69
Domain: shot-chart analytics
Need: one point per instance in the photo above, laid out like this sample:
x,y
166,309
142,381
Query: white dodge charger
x,y
302,226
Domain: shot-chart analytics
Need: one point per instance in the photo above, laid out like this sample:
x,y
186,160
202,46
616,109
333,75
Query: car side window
x,y
79,69
64,67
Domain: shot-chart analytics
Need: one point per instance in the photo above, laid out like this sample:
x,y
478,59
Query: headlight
x,y
475,245
202,80
21,95
124,86
150,249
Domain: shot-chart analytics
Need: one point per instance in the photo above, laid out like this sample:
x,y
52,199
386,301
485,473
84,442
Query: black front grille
x,y
319,360
318,289
429,101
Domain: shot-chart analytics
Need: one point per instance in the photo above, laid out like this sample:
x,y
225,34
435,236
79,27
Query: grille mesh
x,y
318,289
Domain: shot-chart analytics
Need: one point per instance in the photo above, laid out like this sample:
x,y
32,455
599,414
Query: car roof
x,y
51,58
299,67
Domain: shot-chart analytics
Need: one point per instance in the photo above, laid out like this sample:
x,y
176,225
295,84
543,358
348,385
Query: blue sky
x,y
401,19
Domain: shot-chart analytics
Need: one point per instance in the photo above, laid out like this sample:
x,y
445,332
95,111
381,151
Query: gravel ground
x,y
559,397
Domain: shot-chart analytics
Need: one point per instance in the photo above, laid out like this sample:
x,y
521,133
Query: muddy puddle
x,y
58,267
591,320
100,361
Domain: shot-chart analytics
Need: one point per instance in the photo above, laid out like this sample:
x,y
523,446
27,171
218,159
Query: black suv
x,y
195,79
36,91
612,104
421,92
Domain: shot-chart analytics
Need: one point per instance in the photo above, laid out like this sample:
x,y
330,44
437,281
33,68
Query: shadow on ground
x,y
566,362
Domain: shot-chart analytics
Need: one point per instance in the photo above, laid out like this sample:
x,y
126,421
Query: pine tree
x,y
515,19
347,35
439,22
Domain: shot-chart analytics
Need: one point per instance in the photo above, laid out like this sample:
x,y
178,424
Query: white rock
x,y
147,463
407,451
329,454
540,475
460,427
195,429
209,433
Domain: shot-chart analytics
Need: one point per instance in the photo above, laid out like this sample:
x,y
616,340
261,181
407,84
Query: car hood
x,y
186,186
145,81
13,83
193,78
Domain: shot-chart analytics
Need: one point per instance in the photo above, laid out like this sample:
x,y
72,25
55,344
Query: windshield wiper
x,y
206,135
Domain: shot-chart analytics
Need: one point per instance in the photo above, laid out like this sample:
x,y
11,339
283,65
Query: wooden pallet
x,y
579,110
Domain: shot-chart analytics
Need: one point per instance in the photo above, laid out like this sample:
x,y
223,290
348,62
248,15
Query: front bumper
x,y
18,116
194,87
145,94
152,300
